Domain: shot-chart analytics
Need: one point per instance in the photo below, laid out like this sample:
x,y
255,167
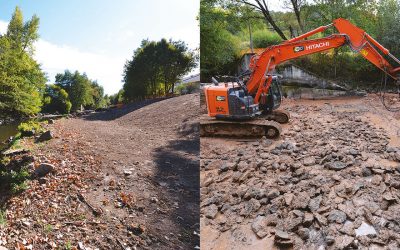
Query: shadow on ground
x,y
13,177
178,168
116,113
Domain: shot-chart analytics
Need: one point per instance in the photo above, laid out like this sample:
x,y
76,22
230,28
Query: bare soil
x,y
124,179
332,181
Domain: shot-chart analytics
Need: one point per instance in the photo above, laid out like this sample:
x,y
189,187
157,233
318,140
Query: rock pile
x,y
332,181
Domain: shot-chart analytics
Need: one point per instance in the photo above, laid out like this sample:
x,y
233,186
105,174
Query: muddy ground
x,y
123,179
332,181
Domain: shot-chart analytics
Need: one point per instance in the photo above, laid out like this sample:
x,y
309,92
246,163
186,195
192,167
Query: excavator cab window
x,y
244,65
273,99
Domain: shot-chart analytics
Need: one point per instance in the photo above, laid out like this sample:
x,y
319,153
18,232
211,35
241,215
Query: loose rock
x,y
365,229
211,211
44,169
259,226
337,165
337,216
48,135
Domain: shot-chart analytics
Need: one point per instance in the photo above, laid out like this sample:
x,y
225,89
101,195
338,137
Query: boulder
x,y
365,229
337,216
304,233
308,219
309,161
314,203
282,238
336,165
44,169
273,193
46,136
260,227
301,200
211,211
343,242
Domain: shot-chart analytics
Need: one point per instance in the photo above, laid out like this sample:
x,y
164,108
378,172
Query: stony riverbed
x,y
332,181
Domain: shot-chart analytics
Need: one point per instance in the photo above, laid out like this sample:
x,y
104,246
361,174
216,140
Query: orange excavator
x,y
248,106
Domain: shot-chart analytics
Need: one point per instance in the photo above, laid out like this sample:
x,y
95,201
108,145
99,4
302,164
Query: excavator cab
x,y
273,99
270,101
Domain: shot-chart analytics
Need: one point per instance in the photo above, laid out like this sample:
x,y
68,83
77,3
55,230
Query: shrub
x,y
16,180
187,88
30,128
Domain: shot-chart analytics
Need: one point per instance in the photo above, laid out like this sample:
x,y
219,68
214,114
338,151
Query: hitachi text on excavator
x,y
248,106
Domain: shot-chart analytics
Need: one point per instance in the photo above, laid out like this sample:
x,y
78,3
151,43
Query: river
x,y
5,132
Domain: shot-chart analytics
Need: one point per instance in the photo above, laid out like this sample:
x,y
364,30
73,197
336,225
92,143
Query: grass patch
x,y
3,218
16,142
68,246
4,160
48,228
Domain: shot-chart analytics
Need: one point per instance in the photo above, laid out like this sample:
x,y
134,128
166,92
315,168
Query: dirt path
x,y
137,168
335,168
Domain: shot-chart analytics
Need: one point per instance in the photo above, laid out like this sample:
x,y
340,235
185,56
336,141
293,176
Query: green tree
x,y
155,67
175,60
21,78
388,31
81,90
22,35
117,98
140,73
55,100
99,100
218,45
224,34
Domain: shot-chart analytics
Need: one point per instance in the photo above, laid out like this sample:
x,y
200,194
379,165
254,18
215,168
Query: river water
x,y
5,132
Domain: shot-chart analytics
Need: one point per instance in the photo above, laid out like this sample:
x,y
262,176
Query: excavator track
x,y
210,127
280,116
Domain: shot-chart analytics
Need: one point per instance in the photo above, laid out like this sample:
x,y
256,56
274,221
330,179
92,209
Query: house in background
x,y
188,84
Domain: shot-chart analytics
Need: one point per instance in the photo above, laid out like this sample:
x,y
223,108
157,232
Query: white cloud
x,y
105,69
3,27
55,59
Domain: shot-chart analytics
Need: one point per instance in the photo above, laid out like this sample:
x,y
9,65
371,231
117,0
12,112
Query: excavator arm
x,y
263,64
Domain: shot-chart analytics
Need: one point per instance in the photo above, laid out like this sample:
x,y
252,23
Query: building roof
x,y
192,78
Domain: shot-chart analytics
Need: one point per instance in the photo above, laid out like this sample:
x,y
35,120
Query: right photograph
x,y
300,124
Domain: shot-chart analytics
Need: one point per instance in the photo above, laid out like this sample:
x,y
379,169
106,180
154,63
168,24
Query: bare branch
x,y
255,6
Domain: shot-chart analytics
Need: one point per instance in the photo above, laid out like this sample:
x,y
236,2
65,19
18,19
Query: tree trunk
x,y
263,7
165,84
296,9
271,21
291,31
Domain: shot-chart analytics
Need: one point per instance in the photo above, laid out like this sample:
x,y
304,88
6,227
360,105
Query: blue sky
x,y
98,36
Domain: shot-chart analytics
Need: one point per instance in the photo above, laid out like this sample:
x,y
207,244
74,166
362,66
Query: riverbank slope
x,y
122,178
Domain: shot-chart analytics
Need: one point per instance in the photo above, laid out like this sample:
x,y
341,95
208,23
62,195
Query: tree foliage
x,y
224,27
82,91
218,45
117,97
21,78
155,68
56,100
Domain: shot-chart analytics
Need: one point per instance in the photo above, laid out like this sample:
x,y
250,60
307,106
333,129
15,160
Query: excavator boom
x,y
359,41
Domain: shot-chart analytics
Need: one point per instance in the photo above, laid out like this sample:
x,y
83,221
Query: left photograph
x,y
99,134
